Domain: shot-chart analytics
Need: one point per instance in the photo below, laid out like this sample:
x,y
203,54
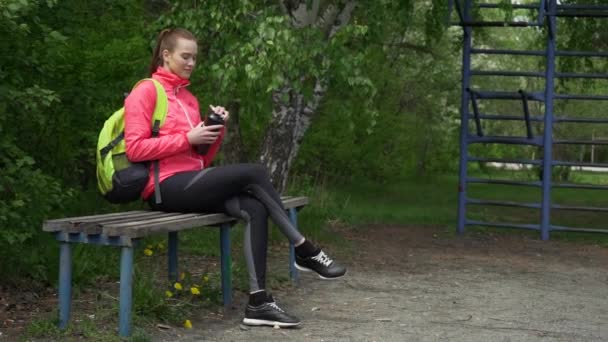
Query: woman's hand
x,y
202,134
221,111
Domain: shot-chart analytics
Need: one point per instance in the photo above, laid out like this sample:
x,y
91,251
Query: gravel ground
x,y
423,284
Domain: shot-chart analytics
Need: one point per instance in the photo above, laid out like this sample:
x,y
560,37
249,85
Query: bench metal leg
x,y
226,261
65,284
126,291
293,271
172,255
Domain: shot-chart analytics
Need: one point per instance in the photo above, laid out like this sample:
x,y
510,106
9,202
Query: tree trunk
x,y
232,147
292,114
291,118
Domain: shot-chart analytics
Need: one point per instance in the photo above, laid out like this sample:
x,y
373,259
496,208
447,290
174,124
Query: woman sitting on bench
x,y
188,184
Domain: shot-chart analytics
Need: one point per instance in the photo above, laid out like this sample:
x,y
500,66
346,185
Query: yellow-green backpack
x,y
118,179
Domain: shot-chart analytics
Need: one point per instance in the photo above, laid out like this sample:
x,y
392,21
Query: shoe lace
x,y
275,306
323,259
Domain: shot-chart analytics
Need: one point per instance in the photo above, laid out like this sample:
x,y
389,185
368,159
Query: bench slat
x,y
177,224
71,224
97,226
294,202
139,223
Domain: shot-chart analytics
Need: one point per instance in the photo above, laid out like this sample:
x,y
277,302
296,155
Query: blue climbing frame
x,y
547,12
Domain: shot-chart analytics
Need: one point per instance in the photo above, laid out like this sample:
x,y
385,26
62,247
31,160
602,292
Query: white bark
x,y
292,116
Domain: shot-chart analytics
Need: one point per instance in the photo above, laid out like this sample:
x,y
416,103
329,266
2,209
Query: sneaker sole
x,y
259,322
306,269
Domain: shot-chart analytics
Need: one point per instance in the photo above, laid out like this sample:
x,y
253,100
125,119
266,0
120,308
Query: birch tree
x,y
287,53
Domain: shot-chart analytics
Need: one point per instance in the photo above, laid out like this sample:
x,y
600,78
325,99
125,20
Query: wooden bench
x,y
126,229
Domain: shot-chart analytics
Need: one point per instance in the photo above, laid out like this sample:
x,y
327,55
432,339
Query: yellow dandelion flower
x,y
182,276
169,294
160,246
177,286
148,252
206,279
188,324
195,291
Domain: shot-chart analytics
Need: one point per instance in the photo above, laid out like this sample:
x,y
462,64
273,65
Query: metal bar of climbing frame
x,y
507,95
496,24
503,225
507,117
476,201
502,182
574,14
514,6
507,73
579,120
581,97
507,52
535,141
464,114
579,142
579,164
548,129
580,186
459,10
505,160
579,208
524,99
476,113
582,7
541,12
580,75
562,53
580,230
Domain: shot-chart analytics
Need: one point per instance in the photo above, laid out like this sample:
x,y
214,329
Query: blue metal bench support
x,y
293,271
65,284
226,261
172,255
126,291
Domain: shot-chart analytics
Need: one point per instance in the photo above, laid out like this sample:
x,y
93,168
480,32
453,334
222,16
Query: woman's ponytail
x,y
167,39
157,58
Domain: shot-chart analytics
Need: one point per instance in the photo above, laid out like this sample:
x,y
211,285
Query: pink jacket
x,y
171,147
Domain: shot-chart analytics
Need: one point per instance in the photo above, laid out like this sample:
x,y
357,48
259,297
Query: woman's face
x,y
182,59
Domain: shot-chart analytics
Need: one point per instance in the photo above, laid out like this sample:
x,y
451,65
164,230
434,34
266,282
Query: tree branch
x,y
342,19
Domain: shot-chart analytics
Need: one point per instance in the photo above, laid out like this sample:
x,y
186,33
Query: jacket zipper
x,y
189,122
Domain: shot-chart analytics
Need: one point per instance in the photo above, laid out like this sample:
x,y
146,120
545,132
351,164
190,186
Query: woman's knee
x,y
258,172
253,206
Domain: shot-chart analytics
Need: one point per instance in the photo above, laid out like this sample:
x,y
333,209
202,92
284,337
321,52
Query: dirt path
x,y
420,284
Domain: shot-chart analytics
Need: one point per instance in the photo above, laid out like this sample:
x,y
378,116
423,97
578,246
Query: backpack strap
x,y
158,118
104,151
155,130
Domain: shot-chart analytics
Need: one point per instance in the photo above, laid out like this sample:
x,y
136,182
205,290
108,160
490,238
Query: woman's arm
x,y
139,143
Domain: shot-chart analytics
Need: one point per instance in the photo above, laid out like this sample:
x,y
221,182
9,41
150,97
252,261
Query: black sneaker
x,y
322,264
269,314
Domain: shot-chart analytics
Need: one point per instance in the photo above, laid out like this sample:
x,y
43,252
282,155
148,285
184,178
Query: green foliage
x,y
61,74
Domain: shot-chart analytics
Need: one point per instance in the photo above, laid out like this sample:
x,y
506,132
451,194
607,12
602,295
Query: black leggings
x,y
241,190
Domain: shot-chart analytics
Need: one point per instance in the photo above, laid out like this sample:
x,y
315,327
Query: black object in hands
x,y
212,118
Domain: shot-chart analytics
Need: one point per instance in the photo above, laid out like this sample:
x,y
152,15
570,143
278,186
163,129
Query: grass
x,y
414,201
